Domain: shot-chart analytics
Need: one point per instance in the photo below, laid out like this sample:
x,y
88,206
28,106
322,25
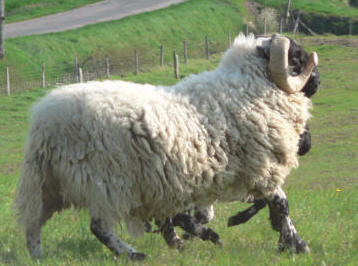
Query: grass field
x,y
322,191
16,10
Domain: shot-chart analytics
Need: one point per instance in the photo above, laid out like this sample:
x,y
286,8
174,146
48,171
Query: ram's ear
x,y
263,47
263,52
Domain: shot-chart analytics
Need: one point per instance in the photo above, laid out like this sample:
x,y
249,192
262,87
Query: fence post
x,y
229,40
295,28
207,53
80,75
107,67
265,26
136,58
43,75
185,51
176,65
350,27
281,24
77,79
247,30
287,15
7,81
161,55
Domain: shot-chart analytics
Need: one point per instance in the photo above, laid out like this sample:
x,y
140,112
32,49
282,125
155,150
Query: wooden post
x,y
107,67
247,30
162,55
136,58
307,28
229,40
185,52
77,78
265,26
295,28
2,22
288,11
7,81
281,25
350,27
207,52
176,65
43,75
80,75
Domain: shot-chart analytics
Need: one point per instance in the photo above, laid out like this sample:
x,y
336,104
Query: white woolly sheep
x,y
195,225
136,152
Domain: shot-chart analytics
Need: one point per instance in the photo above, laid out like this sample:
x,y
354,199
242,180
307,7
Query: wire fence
x,y
104,66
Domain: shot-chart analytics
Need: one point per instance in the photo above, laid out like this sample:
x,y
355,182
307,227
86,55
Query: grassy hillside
x,y
322,191
191,20
16,10
323,7
324,16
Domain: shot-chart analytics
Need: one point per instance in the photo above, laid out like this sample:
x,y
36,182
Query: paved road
x,y
90,14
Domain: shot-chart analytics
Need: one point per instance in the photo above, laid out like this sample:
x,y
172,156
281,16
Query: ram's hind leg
x,y
280,220
104,233
169,234
50,204
194,227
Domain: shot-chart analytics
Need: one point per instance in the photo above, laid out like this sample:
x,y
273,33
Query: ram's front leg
x,y
280,220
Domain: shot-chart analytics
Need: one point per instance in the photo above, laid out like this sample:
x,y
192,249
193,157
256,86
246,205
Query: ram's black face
x,y
297,58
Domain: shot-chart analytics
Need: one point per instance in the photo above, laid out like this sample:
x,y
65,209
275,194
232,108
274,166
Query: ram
x,y
135,152
195,225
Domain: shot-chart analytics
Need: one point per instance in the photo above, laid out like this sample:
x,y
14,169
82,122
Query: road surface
x,y
90,14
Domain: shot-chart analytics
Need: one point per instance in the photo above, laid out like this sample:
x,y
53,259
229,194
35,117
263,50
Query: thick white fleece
x,y
136,152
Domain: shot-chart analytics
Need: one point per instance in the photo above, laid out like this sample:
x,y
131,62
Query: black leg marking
x,y
147,227
170,236
244,216
189,224
204,215
304,144
280,221
111,241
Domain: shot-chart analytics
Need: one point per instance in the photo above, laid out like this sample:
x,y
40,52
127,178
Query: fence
x,y
101,67
129,61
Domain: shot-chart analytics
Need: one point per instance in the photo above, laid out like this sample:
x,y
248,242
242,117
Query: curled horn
x,y
279,66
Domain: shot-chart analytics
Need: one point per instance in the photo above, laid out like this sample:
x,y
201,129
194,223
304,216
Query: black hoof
x,y
178,244
294,244
215,238
136,256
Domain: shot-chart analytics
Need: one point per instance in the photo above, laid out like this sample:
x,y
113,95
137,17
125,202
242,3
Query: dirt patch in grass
x,y
324,41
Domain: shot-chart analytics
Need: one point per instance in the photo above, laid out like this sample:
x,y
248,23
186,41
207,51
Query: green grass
x,y
326,218
16,10
191,20
323,7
